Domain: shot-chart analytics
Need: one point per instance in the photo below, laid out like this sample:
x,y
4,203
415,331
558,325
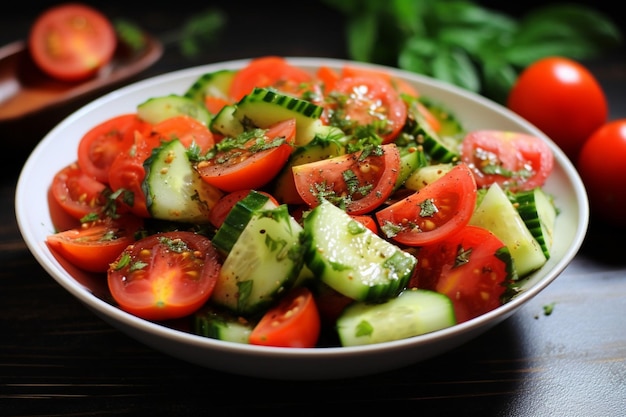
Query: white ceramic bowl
x,y
58,149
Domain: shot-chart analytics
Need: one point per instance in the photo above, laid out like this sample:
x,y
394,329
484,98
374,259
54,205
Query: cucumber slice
x,y
238,218
441,149
222,325
426,175
412,313
410,163
264,262
157,109
212,84
264,107
497,214
225,123
173,188
350,258
539,214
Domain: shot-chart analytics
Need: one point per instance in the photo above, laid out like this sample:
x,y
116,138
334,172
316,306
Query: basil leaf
x,y
362,31
455,66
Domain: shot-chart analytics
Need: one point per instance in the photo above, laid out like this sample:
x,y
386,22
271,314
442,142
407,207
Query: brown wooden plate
x,y
25,89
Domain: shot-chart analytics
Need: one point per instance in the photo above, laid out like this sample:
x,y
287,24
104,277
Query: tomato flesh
x,y
165,276
101,144
71,42
94,245
243,166
270,71
76,192
468,268
294,322
367,101
357,182
515,161
433,213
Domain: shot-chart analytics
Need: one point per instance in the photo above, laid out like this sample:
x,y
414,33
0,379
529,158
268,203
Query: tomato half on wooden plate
x,y
71,42
165,276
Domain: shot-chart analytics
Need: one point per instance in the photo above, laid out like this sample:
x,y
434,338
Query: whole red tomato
x,y
602,167
563,99
72,41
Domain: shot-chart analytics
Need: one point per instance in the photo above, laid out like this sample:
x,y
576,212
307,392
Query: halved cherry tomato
x,y
186,129
127,174
293,322
165,276
514,160
250,161
268,71
471,266
77,193
433,213
101,144
366,100
94,245
71,41
355,181
220,211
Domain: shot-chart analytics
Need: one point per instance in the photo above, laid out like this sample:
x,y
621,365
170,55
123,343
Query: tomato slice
x,y
101,144
94,245
77,193
127,174
366,100
433,213
164,276
250,160
268,71
358,182
71,42
186,129
514,160
471,266
293,322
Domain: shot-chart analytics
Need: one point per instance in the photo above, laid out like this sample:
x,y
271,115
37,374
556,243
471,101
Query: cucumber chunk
x,y
497,214
157,109
413,312
222,325
265,260
539,214
264,107
211,84
173,188
352,259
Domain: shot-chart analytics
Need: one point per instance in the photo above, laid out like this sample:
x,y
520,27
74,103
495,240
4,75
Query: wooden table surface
x,y
58,358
